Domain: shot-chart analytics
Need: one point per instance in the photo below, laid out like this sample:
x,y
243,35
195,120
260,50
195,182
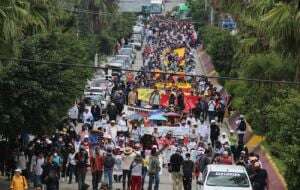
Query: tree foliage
x,y
221,46
35,95
267,47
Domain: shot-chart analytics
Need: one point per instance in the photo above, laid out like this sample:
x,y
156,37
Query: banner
x,y
180,85
189,101
144,94
129,110
180,52
162,130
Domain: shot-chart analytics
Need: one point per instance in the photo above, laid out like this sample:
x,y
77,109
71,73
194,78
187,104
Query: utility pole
x,y
212,16
96,60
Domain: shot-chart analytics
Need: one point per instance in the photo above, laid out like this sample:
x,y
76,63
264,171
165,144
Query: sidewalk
x,y
276,181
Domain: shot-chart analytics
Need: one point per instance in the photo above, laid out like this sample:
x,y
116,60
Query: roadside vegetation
x,y
35,95
266,46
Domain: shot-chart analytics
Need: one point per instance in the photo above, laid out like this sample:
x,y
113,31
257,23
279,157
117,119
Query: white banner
x,y
162,130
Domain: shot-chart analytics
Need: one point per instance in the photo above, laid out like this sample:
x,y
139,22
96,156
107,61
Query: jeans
x,y
144,176
211,115
152,178
96,179
126,174
81,180
241,138
108,177
220,117
71,172
177,180
187,183
37,180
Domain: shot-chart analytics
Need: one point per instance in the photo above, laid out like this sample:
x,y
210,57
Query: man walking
x,y
97,168
81,163
176,161
153,170
241,129
109,162
187,169
214,132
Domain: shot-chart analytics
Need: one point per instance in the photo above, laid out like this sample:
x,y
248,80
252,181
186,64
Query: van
x,y
225,177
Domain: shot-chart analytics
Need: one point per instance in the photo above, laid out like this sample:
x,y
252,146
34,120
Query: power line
x,y
77,10
157,72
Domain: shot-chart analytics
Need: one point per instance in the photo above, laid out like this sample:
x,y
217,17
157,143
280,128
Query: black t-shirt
x,y
188,168
176,161
259,179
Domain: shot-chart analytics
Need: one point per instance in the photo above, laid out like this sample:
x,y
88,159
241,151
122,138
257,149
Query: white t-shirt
x,y
122,126
112,131
127,160
204,130
87,117
38,169
73,112
211,105
136,169
71,159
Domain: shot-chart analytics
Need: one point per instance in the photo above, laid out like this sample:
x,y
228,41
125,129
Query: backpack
x,y
242,126
109,162
153,166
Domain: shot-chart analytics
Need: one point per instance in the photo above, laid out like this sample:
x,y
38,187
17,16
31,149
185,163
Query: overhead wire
x,y
157,72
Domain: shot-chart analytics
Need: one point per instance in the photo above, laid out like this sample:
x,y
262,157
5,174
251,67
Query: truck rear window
x,y
227,179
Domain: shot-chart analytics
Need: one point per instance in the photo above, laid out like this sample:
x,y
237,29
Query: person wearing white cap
x,y
214,132
241,129
112,130
223,138
18,181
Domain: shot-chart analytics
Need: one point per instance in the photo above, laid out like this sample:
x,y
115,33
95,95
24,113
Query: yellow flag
x,y
144,94
180,52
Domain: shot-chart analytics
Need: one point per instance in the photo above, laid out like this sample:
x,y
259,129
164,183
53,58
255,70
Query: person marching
x,y
18,181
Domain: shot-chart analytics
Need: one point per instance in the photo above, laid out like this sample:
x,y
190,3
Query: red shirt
x,y
225,160
97,163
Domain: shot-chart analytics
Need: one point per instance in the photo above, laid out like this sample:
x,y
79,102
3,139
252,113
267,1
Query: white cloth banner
x,y
162,130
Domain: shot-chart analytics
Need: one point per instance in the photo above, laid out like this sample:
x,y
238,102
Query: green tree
x,y
221,46
282,24
36,96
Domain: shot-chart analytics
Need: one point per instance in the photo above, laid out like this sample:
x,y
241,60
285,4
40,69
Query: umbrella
x,y
135,116
172,114
156,112
158,117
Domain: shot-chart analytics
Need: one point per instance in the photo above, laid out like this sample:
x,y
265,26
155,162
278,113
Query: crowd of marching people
x,y
116,149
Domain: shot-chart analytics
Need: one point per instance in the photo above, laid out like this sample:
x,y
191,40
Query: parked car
x,y
129,46
125,64
225,177
137,37
136,43
126,58
127,51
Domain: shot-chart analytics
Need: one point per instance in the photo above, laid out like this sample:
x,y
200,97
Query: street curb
x,y
274,167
